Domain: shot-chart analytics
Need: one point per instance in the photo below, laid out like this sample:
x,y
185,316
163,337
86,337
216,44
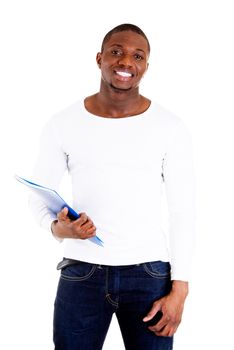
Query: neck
x,y
118,102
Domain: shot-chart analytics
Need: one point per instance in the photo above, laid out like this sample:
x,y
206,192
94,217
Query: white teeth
x,y
124,74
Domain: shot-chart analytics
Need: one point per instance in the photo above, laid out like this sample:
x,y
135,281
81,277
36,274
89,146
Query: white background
x,y
48,51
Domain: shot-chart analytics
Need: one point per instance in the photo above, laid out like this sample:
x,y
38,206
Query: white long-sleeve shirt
x,y
117,168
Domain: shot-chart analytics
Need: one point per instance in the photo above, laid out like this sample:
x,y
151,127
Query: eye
x,y
116,52
138,57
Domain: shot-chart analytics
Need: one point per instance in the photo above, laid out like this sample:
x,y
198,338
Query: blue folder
x,y
54,202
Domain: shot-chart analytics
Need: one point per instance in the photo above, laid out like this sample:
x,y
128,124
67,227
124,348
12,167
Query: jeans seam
x,y
155,274
108,295
78,279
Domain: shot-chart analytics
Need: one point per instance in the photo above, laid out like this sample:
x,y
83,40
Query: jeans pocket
x,y
158,269
80,271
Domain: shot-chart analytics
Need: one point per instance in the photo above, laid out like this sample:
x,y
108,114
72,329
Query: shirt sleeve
x,y
49,169
179,178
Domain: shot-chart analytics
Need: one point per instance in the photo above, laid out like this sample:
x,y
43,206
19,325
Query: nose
x,y
125,60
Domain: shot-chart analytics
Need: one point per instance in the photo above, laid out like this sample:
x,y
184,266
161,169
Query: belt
x,y
66,262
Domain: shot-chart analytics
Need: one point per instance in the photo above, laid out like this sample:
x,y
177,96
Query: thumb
x,y
65,211
62,215
155,308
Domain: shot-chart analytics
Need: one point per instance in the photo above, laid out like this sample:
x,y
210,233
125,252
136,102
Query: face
x,y
124,60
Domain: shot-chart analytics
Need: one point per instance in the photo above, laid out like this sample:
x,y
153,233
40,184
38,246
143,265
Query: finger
x,y
87,225
156,307
62,215
88,228
165,320
161,323
167,331
91,231
172,332
88,233
82,219
91,234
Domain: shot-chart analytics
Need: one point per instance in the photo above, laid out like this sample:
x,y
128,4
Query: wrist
x,y
180,287
54,228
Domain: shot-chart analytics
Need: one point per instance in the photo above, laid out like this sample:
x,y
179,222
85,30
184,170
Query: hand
x,y
171,307
81,228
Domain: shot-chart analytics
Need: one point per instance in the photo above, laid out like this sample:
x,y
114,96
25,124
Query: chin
x,y
120,89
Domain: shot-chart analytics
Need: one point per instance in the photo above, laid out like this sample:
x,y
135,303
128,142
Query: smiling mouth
x,y
124,74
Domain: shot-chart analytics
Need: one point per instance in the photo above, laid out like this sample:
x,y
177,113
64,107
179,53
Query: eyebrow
x,y
119,45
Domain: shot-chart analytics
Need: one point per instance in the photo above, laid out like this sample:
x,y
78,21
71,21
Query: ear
x,y
99,59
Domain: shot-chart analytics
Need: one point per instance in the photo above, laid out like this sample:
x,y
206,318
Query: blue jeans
x,y
89,294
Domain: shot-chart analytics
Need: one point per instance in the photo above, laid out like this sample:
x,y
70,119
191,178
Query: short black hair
x,y
123,28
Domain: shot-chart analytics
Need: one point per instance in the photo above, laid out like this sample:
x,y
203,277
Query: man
x,y
119,148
